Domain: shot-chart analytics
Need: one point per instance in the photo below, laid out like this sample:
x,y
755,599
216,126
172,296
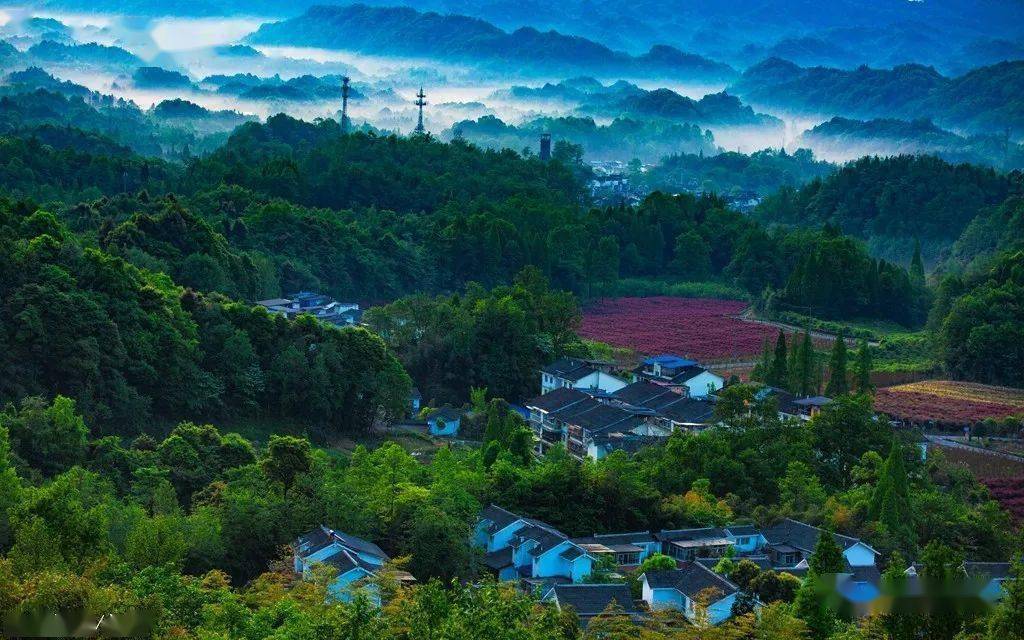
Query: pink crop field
x,y
704,329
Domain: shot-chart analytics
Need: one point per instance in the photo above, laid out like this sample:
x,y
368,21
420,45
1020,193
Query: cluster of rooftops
x,y
540,557
592,412
543,560
318,305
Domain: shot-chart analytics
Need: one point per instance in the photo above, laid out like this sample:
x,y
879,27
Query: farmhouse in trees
x,y
675,372
683,588
593,424
570,373
444,422
355,560
322,307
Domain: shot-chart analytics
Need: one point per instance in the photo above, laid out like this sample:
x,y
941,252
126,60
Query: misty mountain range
x,y
952,35
408,33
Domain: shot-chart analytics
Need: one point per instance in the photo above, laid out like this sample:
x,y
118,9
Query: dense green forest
x,y
762,172
133,348
893,202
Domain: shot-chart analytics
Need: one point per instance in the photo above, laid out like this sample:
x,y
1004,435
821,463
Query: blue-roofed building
x,y
680,373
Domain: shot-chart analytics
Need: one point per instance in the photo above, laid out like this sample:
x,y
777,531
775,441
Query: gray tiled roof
x,y
801,535
499,559
569,369
592,599
703,533
556,399
500,517
990,570
690,579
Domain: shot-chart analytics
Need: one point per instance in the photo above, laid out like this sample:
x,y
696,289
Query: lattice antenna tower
x,y
420,102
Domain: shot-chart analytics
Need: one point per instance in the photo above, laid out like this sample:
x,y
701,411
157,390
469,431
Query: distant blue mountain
x,y
410,33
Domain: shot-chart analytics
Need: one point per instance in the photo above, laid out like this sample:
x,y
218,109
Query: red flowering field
x,y
945,401
703,329
1010,494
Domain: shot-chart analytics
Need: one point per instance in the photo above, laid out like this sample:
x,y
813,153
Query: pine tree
x,y
827,557
917,266
778,377
806,381
763,370
890,502
810,599
862,368
837,385
793,367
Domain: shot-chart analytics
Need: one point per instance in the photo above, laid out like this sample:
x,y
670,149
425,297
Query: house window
x,y
632,557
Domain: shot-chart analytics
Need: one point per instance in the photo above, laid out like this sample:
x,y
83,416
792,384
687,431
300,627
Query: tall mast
x,y
420,102
344,104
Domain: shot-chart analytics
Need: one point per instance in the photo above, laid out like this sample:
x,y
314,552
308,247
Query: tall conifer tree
x,y
837,384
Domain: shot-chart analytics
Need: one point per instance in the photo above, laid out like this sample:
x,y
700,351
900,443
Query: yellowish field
x,y
968,391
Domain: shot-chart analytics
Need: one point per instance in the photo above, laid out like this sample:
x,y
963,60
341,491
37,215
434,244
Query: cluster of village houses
x,y
541,559
592,412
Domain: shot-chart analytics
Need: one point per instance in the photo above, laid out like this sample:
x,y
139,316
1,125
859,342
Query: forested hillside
x,y
132,347
891,202
985,100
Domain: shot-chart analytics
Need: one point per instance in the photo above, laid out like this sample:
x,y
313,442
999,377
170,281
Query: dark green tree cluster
x,y
496,338
762,172
131,347
890,202
980,322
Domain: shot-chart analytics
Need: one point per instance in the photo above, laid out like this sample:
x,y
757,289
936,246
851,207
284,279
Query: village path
x,y
748,316
944,441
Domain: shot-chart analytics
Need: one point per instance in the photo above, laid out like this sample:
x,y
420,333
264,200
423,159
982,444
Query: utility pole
x,y
344,104
420,102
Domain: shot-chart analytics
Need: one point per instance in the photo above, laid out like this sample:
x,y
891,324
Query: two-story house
x,y
684,588
672,408
591,426
355,560
578,374
680,373
320,306
518,548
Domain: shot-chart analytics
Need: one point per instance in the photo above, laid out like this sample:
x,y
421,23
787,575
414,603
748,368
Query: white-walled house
x,y
681,590
677,372
577,374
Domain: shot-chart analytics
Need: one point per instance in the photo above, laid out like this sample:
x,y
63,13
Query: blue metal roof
x,y
670,361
